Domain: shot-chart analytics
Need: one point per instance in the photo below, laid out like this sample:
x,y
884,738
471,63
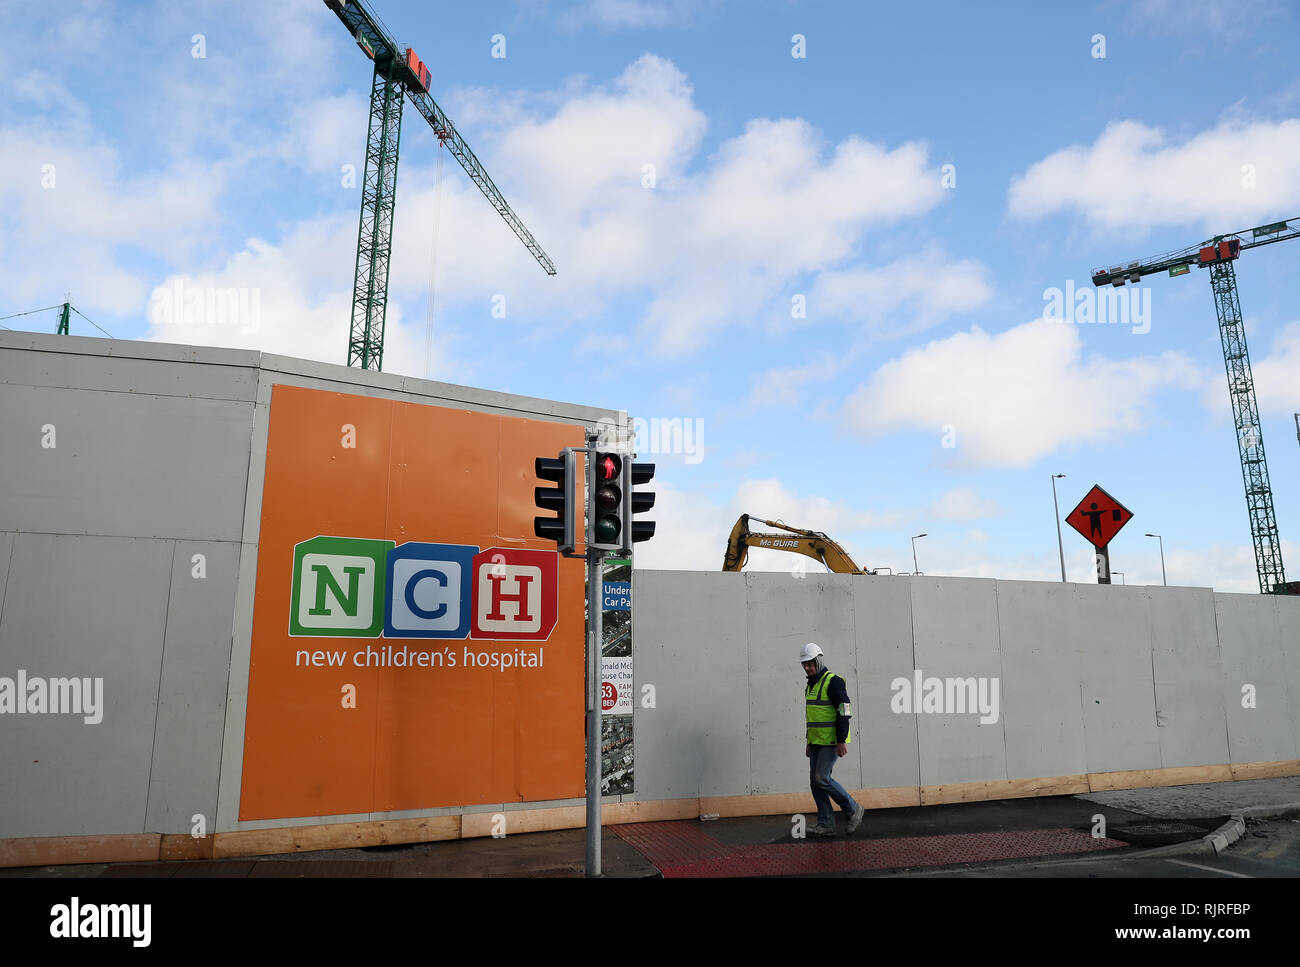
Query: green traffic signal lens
x,y
607,529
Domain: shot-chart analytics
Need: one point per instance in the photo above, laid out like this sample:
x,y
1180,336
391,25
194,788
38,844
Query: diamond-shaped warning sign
x,y
1099,517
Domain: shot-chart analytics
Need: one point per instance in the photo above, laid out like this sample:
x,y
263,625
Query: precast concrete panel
x,y
1288,623
1190,721
173,374
885,740
122,464
85,608
1116,678
1261,724
192,690
955,630
784,613
1041,713
689,633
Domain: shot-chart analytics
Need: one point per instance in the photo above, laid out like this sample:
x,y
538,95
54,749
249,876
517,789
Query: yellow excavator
x,y
813,544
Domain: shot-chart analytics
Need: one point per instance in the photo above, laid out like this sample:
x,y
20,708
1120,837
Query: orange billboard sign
x,y
414,644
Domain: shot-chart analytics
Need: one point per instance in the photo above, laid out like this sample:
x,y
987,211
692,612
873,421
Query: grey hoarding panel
x,y
1288,623
955,629
1190,720
150,377
1117,684
885,740
785,612
192,691
84,607
689,630
1042,714
1250,649
122,464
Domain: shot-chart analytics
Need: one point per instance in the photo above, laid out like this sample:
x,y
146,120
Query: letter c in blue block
x,y
429,590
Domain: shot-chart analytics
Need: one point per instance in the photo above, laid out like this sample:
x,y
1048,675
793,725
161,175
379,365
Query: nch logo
x,y
355,588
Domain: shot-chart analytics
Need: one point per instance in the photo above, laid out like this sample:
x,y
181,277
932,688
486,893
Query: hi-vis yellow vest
x,y
820,712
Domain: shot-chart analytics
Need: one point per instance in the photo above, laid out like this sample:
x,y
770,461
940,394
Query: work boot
x,y
820,830
856,819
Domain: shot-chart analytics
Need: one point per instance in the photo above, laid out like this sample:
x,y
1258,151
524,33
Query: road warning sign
x,y
1099,517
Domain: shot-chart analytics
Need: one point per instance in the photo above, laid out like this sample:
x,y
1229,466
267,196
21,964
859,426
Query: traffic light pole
x,y
594,601
594,580
610,527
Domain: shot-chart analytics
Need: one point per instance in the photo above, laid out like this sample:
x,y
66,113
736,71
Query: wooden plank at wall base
x,y
655,811
1004,789
62,850
296,839
1266,770
769,804
1145,778
421,830
524,821
575,817
182,847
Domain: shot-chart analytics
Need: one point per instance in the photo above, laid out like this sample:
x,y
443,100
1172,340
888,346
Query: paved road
x,y
1270,848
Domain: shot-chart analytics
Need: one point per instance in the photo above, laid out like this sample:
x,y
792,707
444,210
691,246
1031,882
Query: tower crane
x,y
1217,254
398,72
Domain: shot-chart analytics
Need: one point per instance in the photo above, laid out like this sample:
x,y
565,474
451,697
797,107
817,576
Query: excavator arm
x,y
812,544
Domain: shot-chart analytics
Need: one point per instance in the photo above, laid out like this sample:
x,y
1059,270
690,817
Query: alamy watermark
x,y
1127,305
945,696
665,435
55,696
206,305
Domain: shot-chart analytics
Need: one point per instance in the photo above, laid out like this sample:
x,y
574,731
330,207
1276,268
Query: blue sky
x,y
130,167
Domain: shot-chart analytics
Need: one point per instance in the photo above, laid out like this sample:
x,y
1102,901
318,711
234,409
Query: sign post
x,y
1099,517
594,588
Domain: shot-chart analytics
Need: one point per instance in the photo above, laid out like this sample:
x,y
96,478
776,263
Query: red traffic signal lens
x,y
608,466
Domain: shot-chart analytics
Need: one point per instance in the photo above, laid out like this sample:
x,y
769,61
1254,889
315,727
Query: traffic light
x,y
637,503
561,528
605,511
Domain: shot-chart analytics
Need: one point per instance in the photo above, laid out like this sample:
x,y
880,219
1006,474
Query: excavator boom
x,y
812,544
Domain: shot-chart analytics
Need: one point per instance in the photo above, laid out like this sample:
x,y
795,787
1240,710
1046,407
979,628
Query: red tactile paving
x,y
671,844
681,849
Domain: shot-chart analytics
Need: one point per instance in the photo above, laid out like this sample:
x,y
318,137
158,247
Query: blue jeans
x,y
824,788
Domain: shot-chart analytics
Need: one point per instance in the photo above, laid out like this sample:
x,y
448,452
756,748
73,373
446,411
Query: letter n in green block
x,y
339,587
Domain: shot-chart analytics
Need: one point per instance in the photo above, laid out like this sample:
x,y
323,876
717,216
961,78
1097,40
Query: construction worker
x,y
827,714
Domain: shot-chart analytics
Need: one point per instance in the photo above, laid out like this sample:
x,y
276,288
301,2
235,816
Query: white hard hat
x,y
810,651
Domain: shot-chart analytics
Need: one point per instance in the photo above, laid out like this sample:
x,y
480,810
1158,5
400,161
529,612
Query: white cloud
x,y
716,241
295,301
781,386
1135,176
964,504
1015,396
928,285
76,215
1276,386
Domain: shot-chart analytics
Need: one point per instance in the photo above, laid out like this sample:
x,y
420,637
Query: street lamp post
x,y
1162,558
915,569
1121,574
1057,507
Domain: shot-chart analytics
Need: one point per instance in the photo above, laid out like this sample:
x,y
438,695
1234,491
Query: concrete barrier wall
x,y
1091,679
159,458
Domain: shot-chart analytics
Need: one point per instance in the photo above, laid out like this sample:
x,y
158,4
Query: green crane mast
x,y
1217,254
398,72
